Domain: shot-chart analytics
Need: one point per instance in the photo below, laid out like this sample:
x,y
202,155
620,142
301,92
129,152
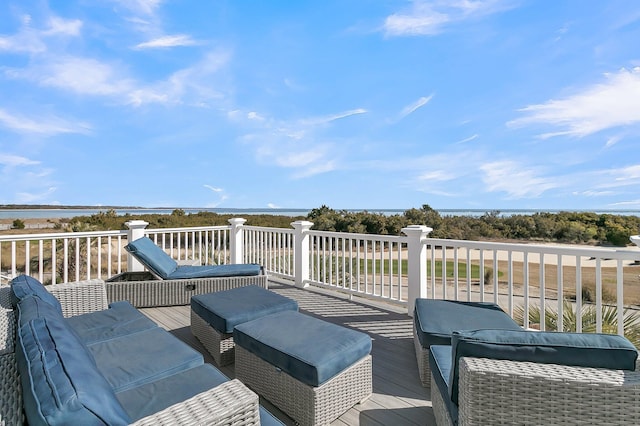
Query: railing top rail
x,y
60,235
187,229
349,235
601,252
268,229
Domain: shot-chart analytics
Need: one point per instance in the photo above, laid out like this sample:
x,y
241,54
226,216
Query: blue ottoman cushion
x,y
436,320
580,349
61,384
224,310
24,285
120,319
150,355
308,349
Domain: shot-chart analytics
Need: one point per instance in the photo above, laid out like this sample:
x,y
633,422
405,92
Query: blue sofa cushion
x,y
139,358
440,363
214,271
308,349
60,382
24,285
436,320
152,256
149,398
120,319
223,310
580,349
32,307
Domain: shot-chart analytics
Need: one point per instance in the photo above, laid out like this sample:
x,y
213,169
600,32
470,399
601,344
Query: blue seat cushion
x,y
24,285
440,363
436,320
223,310
146,399
32,307
60,382
309,349
580,349
213,271
152,256
120,319
139,358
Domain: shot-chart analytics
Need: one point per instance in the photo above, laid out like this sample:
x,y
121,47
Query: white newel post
x,y
301,252
236,240
416,264
136,230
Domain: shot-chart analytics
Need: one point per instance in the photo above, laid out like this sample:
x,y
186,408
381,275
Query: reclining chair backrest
x,y
152,257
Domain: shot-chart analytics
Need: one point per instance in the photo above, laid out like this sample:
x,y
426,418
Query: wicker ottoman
x,y
311,369
434,321
214,315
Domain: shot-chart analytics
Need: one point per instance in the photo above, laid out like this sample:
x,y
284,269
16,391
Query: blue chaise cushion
x,y
580,349
309,349
120,319
24,285
152,256
214,271
60,382
139,358
223,310
436,320
32,307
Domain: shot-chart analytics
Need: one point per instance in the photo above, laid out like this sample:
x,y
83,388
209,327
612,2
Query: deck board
x,y
398,397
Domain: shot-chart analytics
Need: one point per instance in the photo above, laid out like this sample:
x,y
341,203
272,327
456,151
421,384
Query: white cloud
x,y
410,109
29,39
167,41
611,104
214,189
425,18
16,160
272,206
515,179
30,197
143,7
469,139
329,118
48,126
591,193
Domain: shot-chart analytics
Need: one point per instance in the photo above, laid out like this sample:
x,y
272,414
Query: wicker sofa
x,y
527,377
95,359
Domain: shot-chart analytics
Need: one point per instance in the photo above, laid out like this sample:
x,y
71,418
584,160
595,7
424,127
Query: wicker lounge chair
x,y
170,284
534,378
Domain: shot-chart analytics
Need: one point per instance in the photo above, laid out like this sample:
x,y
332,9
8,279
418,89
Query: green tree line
x,y
567,227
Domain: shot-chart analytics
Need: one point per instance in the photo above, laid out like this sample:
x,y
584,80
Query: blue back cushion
x,y
580,349
32,307
60,382
24,286
152,256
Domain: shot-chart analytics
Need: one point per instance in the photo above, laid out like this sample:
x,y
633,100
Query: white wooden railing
x,y
522,278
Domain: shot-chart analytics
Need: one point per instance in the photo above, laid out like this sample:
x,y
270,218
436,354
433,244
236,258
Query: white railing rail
x,y
524,279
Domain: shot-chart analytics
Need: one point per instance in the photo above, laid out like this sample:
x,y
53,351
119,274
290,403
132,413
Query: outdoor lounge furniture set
x,y
167,283
309,368
484,369
68,357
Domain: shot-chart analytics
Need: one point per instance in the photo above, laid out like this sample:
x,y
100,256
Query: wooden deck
x,y
398,397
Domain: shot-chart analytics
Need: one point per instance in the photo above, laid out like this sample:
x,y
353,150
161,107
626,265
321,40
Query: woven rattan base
x,y
440,412
152,293
422,356
307,405
10,391
219,345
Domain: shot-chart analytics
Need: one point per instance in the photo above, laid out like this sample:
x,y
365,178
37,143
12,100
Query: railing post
x,y
236,240
301,252
416,263
136,230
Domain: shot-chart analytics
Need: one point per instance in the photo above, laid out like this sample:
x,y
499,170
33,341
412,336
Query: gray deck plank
x,y
398,397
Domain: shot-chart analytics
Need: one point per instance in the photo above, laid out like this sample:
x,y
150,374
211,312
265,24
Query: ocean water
x,y
68,213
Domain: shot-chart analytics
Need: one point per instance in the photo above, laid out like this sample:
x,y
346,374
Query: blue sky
x,y
359,104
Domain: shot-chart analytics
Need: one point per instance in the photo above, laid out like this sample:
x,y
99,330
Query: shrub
x,y
17,224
